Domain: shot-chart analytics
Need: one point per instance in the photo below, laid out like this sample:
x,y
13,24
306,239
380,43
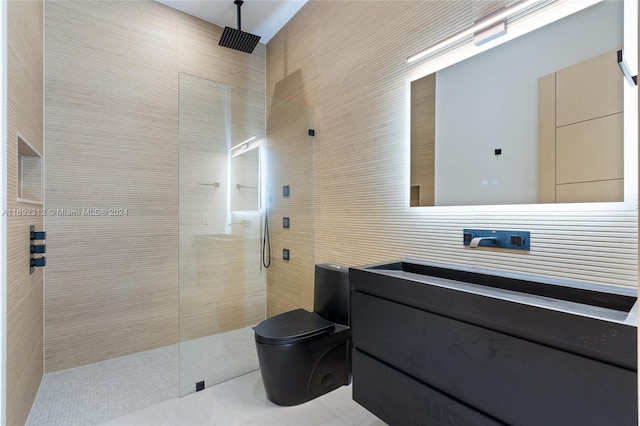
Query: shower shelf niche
x,y
29,173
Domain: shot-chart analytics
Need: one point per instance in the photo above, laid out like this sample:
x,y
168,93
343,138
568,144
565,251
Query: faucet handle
x,y
476,241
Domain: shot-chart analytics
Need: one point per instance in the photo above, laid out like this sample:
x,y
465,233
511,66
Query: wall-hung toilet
x,y
304,354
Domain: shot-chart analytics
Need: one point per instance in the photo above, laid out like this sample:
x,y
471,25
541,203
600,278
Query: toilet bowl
x,y
303,354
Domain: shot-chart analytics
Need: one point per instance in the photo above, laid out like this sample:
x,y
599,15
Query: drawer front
x,y
510,379
578,335
400,400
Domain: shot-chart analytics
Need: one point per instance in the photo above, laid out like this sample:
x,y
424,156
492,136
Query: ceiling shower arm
x,y
239,4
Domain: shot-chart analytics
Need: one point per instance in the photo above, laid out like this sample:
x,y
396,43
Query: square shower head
x,y
238,40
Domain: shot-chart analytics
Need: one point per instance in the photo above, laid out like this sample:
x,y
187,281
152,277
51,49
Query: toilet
x,y
303,354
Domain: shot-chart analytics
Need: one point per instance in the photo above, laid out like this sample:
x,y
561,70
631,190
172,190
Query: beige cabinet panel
x,y
590,151
585,192
589,89
580,132
547,139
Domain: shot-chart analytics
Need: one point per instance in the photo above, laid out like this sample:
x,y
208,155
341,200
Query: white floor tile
x,y
143,388
242,401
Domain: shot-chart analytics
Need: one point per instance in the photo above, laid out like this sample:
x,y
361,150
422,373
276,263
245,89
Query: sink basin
x,y
592,320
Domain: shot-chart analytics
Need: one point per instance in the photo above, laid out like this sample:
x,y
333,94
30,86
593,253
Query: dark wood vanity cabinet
x,y
415,366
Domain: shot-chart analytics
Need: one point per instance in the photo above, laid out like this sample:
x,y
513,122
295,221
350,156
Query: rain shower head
x,y
237,39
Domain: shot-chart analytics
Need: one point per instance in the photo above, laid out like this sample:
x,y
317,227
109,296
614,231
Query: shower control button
x,y
38,235
38,248
38,262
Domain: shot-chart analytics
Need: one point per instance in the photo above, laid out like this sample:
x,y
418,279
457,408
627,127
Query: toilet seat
x,y
293,326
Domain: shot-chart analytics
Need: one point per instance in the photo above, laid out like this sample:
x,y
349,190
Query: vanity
x,y
441,344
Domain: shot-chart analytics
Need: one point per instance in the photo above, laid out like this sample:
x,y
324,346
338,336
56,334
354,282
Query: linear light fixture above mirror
x,y
485,29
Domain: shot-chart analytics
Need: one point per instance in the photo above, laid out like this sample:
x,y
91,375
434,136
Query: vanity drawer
x,y
399,399
508,378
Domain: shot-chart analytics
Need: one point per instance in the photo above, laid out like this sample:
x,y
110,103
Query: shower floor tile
x,y
242,401
95,393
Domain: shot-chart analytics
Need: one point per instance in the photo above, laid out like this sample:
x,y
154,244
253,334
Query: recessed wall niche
x,y
29,173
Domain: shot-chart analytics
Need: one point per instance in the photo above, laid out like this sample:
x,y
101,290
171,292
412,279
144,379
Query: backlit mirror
x,y
537,119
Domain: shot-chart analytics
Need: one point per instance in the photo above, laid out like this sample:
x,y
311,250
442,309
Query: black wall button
x,y
285,222
497,151
285,254
312,132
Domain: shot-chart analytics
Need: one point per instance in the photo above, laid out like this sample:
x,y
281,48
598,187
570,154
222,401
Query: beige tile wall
x,y
290,154
347,62
24,291
111,120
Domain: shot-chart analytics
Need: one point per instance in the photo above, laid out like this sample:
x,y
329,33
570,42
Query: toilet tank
x,y
332,292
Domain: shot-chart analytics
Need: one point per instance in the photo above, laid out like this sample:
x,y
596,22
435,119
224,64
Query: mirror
x,y
245,180
485,131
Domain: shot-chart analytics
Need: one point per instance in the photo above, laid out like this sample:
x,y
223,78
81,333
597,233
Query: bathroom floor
x,y
242,401
143,388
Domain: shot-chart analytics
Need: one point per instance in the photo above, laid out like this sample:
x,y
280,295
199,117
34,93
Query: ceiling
x,y
260,17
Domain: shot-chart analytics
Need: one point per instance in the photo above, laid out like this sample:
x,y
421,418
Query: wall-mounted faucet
x,y
515,240
476,241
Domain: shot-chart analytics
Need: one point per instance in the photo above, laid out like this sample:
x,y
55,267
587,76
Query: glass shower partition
x,y
222,280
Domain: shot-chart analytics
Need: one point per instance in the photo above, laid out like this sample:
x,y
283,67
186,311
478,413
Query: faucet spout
x,y
476,241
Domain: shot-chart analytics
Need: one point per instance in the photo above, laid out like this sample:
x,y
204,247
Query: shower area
x,y
236,150
177,136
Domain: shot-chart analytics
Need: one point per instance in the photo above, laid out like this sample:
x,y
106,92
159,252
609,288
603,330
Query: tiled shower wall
x,y
112,128
347,62
24,290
